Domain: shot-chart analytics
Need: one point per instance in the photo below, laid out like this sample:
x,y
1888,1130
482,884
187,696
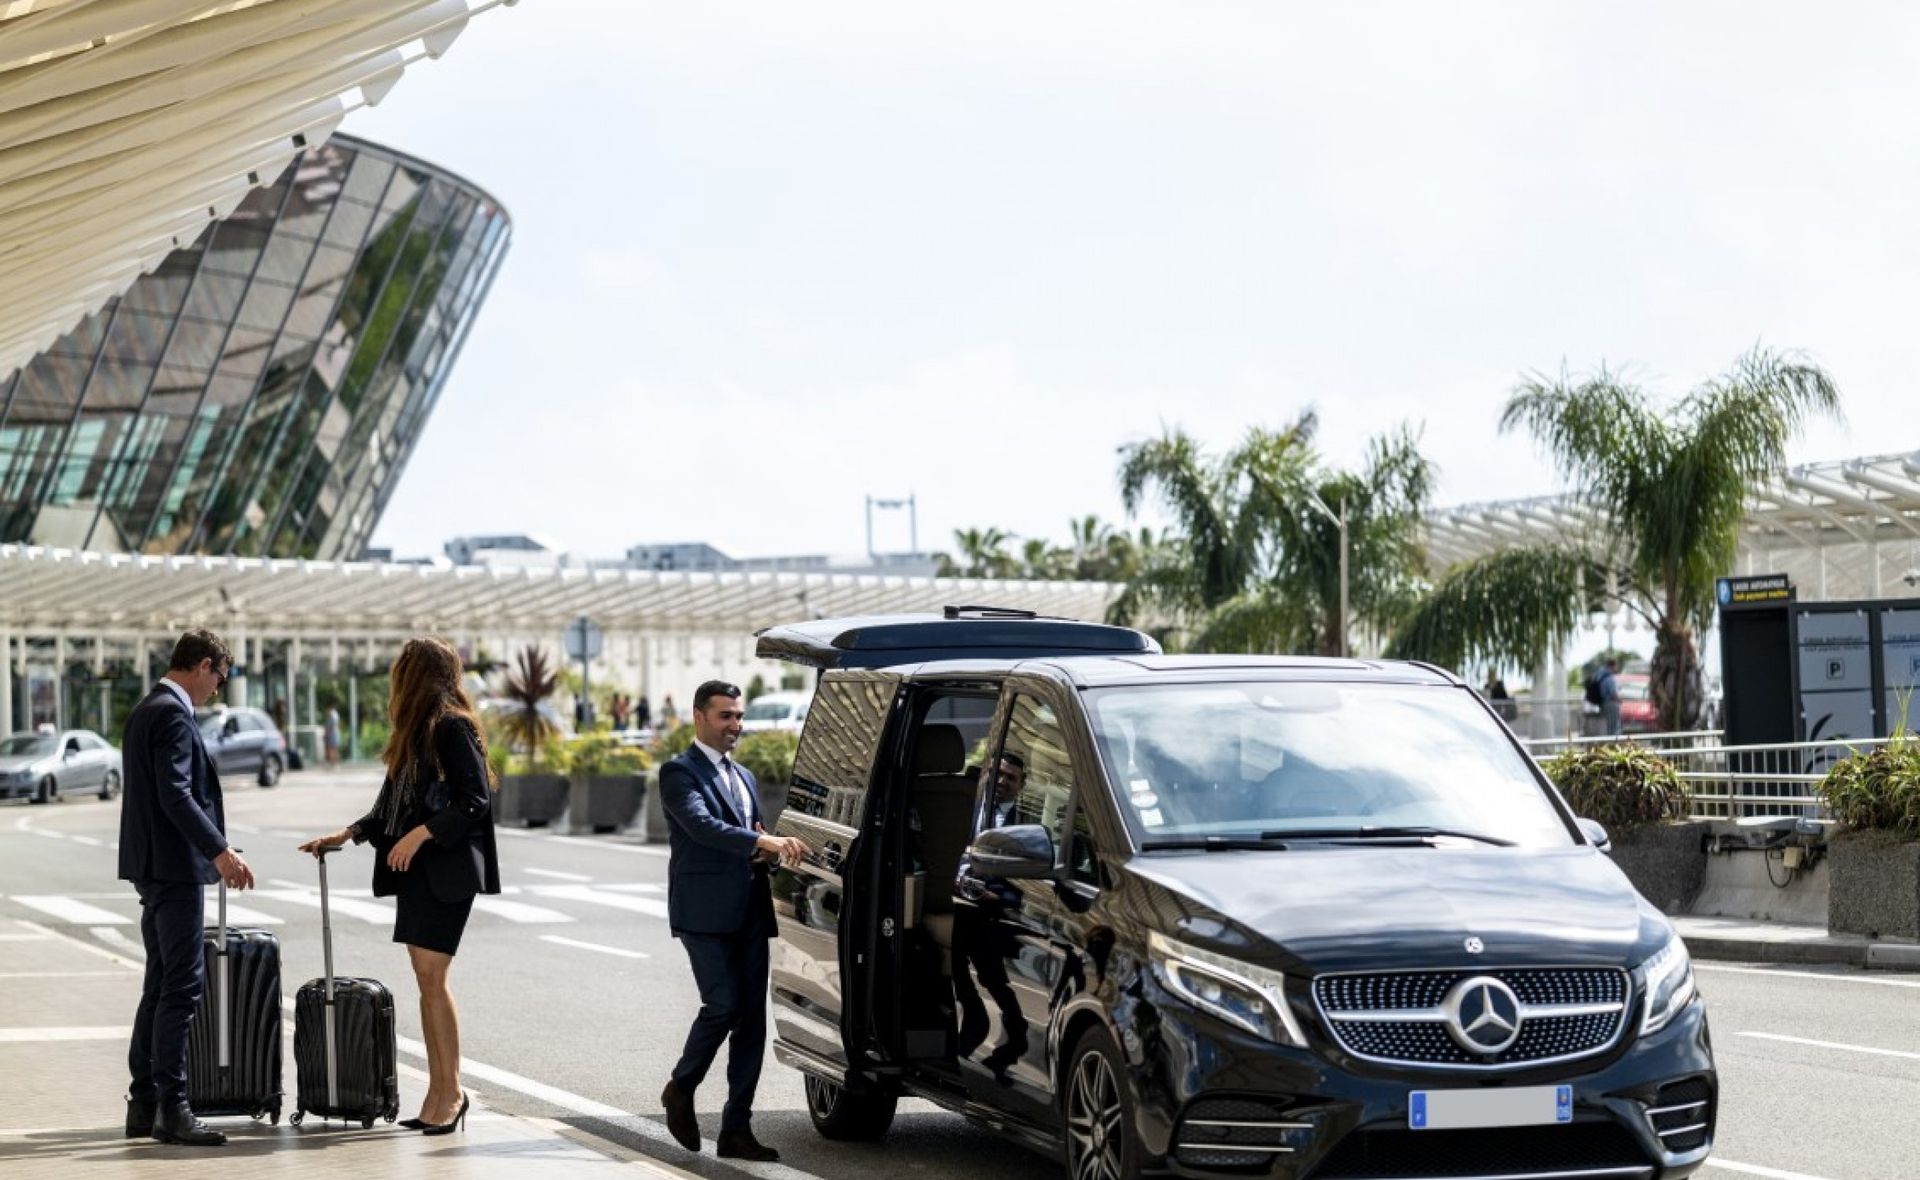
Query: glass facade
x,y
260,392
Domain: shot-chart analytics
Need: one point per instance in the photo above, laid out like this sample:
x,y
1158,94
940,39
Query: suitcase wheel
x,y
295,1119
392,1117
366,1124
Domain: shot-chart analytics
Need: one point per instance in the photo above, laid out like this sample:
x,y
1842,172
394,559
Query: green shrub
x,y
1877,790
768,754
552,760
672,743
1622,787
602,754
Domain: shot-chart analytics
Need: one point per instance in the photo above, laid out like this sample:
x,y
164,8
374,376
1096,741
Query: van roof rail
x,y
986,612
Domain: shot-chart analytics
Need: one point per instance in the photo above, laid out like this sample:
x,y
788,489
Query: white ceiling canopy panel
x,y
127,125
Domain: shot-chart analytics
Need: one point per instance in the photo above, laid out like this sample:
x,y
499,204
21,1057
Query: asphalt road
x,y
574,1001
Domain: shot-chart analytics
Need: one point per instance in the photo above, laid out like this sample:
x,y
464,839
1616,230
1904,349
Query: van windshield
x,y
1260,759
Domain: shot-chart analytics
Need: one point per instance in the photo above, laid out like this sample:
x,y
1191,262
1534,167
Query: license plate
x,y
1526,1106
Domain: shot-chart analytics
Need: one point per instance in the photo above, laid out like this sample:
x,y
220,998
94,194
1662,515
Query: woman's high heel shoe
x,y
412,1124
459,1120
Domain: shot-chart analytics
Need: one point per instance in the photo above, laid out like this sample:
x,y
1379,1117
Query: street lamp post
x,y
1340,520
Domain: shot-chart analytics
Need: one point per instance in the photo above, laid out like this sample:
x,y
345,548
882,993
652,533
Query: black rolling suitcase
x,y
233,1052
344,1045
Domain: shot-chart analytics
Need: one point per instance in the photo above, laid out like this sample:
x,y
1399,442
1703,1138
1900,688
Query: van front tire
x,y
840,1113
1099,1112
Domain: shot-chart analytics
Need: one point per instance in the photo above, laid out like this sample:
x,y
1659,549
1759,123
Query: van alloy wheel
x,y
840,1113
1096,1120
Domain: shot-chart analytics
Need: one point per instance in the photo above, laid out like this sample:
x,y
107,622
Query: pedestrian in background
x,y
432,828
330,738
720,907
1610,697
173,844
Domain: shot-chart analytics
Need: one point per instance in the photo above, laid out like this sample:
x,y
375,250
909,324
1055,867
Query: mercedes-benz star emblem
x,y
1475,946
1483,1015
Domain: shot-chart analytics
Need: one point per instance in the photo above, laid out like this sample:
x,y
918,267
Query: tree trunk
x,y
1677,684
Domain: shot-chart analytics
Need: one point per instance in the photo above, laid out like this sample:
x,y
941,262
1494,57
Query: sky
x,y
770,258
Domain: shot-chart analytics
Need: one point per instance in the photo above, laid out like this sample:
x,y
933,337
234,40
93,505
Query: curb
x,y
1840,951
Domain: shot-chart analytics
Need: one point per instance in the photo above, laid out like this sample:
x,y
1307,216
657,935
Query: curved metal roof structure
x,y
62,590
1847,529
126,125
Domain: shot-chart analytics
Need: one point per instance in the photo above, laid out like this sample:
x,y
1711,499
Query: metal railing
x,y
1737,782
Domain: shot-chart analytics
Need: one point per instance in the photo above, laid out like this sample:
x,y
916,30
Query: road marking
x,y
24,937
114,938
516,833
68,910
1822,976
518,911
57,974
367,911
589,946
249,829
636,888
92,1032
618,901
586,842
237,914
47,834
87,840
1757,1170
559,876
1840,1045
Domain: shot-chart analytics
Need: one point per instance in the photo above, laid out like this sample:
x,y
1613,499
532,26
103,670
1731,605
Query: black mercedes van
x,y
1215,916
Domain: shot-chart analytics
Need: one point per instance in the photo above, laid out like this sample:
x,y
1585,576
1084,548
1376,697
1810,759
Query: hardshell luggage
x,y
344,1041
233,1052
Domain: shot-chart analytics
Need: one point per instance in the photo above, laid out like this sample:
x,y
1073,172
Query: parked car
x,y
776,710
44,766
1637,711
244,741
1286,917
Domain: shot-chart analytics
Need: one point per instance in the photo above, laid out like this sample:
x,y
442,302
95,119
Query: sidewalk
x,y
64,1010
1778,942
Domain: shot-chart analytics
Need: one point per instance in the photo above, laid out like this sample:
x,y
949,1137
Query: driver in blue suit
x,y
720,907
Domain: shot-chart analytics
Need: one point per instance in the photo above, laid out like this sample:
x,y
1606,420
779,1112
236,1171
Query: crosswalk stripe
x,y
238,915
618,901
98,1032
367,911
518,911
68,910
622,952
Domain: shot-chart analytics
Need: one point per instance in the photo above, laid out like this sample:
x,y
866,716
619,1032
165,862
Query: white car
x,y
777,710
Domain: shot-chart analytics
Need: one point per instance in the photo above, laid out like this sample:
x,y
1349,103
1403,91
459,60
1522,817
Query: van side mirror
x,y
1596,834
1017,852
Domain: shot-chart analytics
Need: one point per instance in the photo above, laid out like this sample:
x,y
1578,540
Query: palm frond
x,y
1512,608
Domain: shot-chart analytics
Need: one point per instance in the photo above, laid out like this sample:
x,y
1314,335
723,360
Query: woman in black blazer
x,y
433,829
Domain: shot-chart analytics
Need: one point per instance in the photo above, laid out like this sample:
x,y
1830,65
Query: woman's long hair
x,y
426,687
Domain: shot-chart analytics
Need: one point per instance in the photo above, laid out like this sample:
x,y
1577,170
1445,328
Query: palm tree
x,y
983,554
528,687
1256,564
1669,487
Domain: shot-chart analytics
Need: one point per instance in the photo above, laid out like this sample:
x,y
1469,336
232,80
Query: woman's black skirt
x,y
423,920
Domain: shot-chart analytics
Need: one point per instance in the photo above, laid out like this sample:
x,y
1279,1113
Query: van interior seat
x,y
943,795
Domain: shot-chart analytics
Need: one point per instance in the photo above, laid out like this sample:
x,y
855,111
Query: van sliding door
x,y
822,959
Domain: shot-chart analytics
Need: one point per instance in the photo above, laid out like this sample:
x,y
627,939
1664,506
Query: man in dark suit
x,y
172,844
720,907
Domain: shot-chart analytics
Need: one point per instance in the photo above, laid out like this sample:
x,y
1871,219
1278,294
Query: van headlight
x,y
1667,979
1242,994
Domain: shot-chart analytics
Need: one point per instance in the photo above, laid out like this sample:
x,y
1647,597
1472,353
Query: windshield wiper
x,y
1265,843
1382,833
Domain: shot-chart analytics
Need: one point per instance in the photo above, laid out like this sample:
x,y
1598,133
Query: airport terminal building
x,y
260,391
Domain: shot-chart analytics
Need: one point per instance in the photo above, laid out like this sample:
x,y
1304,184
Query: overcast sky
x,y
771,257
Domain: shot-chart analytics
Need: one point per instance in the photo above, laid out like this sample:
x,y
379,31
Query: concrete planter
x,y
604,803
1875,887
534,800
1666,862
773,801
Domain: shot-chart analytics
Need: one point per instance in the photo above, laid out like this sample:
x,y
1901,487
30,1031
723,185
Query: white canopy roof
x,y
127,125
1847,529
46,591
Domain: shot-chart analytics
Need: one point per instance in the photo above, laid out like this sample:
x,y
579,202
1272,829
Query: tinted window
x,y
1255,757
834,764
26,746
1034,784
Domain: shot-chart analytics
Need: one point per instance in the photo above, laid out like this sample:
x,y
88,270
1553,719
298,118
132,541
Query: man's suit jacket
x,y
172,820
714,886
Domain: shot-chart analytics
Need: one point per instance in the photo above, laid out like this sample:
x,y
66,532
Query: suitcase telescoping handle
x,y
326,954
223,987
